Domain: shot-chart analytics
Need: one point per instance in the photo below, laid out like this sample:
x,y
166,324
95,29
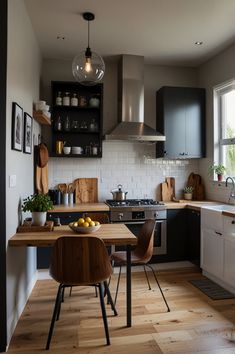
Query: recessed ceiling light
x,y
198,43
60,38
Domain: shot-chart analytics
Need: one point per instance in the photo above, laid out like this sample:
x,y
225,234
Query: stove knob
x,y
156,214
120,216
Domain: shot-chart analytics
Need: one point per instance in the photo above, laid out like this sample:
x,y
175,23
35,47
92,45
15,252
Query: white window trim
x,y
218,141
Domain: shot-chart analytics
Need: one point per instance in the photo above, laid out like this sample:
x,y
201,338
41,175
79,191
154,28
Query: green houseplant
x,y
219,170
188,192
38,204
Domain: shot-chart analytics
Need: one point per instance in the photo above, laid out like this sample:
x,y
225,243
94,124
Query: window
x,y
224,126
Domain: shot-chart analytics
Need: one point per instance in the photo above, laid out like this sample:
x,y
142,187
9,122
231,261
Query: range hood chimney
x,y
131,124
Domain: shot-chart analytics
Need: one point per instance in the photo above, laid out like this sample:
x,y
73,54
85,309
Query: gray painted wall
x,y
216,71
23,74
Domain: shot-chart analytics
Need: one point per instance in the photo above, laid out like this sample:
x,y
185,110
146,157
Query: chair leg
x,y
168,309
70,293
147,277
96,292
119,276
102,305
110,300
56,308
61,299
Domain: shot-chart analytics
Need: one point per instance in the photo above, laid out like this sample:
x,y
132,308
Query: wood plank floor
x,y
196,324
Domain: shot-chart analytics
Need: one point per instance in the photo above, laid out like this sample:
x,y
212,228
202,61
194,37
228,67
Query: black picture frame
x,y
28,130
17,127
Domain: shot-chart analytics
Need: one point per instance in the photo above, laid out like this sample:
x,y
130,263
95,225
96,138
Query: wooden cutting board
x,y
86,190
168,189
195,181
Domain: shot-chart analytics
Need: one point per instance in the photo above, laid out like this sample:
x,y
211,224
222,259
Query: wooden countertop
x,y
192,204
92,207
99,207
111,234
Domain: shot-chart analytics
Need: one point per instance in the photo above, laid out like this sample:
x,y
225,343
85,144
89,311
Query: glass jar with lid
x,y
66,99
58,124
67,124
58,100
74,100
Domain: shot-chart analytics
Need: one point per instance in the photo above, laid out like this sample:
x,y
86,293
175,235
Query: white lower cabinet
x,y
212,252
229,261
218,247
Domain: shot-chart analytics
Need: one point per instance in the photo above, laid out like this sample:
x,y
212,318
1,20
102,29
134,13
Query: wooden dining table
x,y
112,234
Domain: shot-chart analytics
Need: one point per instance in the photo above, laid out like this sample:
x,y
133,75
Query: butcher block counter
x,y
190,204
83,207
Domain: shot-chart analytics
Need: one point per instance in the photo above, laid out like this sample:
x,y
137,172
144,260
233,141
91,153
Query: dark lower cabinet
x,y
193,236
44,253
176,234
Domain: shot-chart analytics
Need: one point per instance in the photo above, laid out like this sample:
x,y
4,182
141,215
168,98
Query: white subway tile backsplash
x,y
131,164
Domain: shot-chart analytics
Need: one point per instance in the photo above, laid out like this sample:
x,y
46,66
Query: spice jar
x,y
74,100
82,101
67,124
58,100
58,124
66,99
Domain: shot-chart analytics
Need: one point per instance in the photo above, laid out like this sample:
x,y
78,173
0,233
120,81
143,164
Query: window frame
x,y
218,92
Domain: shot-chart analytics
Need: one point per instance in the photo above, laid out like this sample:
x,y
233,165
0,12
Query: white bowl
x,y
67,150
84,230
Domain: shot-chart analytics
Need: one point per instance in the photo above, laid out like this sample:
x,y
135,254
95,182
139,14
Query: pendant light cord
x,y
88,34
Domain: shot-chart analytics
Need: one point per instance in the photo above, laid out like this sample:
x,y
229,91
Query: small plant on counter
x,y
188,189
188,192
37,202
219,170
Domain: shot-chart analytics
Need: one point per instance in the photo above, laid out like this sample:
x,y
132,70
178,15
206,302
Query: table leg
x,y
128,285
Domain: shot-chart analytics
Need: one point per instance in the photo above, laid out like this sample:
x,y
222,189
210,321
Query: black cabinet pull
x,y
218,233
233,222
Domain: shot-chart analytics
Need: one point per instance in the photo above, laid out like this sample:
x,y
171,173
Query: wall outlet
x,y
12,181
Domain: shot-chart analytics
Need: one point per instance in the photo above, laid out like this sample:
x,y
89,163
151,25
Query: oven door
x,y
160,242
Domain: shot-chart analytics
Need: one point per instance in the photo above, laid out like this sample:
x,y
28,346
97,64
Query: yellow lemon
x,y
87,219
85,224
81,221
92,223
97,223
75,224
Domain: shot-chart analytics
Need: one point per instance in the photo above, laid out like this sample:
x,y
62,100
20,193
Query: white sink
x,y
221,207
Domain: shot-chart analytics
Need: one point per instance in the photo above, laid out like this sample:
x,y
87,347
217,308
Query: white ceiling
x,y
163,31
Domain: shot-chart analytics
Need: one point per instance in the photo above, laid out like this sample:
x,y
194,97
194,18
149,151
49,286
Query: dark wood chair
x,y
82,261
141,255
103,219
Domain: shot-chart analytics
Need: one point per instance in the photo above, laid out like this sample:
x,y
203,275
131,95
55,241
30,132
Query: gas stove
x,y
136,209
134,203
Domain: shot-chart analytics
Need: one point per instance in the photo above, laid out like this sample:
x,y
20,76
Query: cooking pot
x,y
119,194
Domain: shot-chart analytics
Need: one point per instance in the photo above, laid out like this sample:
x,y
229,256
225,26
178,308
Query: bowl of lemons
x,y
85,225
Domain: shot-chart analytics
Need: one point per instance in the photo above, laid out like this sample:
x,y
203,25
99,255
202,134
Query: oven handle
x,y
142,222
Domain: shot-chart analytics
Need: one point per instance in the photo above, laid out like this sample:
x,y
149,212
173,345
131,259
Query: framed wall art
x,y
17,127
28,124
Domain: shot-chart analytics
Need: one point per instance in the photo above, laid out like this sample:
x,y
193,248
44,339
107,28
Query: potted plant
x,y
218,170
38,204
188,192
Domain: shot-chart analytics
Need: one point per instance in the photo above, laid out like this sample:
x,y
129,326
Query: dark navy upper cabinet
x,y
181,118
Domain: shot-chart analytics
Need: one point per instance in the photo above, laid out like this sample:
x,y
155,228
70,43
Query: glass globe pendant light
x,y
88,67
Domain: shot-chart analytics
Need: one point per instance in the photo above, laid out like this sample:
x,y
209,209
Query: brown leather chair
x,y
80,260
141,255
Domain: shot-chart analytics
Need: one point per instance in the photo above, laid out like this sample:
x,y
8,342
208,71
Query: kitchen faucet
x,y
232,193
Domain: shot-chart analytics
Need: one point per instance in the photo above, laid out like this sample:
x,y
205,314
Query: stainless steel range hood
x,y
131,124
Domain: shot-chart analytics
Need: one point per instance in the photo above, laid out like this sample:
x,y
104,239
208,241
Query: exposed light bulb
x,y
88,67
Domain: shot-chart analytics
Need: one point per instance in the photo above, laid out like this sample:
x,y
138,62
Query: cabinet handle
x,y
233,222
181,153
218,233
186,153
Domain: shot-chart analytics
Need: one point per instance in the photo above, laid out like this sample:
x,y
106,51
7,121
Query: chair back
x,y
101,217
144,248
80,260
